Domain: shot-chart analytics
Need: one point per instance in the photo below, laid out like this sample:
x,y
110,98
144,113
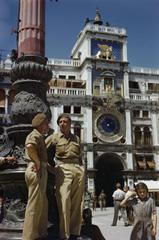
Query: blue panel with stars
x,y
116,48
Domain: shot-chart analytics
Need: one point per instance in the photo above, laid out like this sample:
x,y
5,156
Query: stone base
x,y
10,231
11,235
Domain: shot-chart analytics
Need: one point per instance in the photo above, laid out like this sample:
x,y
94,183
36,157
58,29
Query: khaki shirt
x,y
67,150
37,140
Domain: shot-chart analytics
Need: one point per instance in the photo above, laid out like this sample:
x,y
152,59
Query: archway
x,y
109,171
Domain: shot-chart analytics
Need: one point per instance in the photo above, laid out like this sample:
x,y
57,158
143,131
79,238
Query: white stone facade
x,y
114,108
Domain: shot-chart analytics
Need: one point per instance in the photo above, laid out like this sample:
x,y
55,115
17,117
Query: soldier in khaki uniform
x,y
102,200
36,214
69,178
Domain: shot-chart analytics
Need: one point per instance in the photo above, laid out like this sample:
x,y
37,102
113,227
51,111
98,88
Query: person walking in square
x,y
118,196
102,200
94,200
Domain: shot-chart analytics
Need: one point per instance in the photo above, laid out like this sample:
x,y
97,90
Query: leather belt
x,y
71,161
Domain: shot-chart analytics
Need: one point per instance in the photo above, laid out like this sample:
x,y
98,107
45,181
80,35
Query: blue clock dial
x,y
108,124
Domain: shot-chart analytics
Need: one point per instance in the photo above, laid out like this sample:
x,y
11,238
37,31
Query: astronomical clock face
x,y
109,125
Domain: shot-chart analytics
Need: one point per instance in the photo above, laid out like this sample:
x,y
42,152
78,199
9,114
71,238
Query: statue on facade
x,y
105,52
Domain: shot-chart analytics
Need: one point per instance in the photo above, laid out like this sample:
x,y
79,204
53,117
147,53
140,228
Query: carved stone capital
x,y
31,70
25,106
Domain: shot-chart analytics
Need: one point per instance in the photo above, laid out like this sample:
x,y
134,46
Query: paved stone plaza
x,y
103,219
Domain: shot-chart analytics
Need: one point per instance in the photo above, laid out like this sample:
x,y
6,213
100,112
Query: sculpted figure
x,y
104,52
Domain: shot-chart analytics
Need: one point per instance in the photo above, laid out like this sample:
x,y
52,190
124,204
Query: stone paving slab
x,y
104,220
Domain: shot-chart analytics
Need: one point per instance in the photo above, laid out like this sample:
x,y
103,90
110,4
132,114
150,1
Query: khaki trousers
x,y
36,214
69,195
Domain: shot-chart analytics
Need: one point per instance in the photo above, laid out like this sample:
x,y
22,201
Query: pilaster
x,y
154,128
126,85
89,80
156,159
125,51
130,161
6,100
128,127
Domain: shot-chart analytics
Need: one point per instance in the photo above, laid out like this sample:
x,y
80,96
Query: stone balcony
x,y
142,97
66,91
63,62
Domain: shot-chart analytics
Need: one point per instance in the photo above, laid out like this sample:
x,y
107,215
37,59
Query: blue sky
x,y
66,18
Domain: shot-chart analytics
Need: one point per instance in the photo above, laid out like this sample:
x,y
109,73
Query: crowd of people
x,y
75,222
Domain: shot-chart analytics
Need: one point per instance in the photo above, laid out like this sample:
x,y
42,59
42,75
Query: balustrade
x,y
149,97
66,91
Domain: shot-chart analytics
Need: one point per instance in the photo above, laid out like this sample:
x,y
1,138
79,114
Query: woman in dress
x,y
145,215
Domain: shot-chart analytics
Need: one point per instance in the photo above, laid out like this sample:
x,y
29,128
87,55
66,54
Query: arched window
x,y
147,136
2,101
77,130
108,81
2,98
138,135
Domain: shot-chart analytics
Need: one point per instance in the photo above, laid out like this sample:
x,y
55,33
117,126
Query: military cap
x,y
65,115
38,120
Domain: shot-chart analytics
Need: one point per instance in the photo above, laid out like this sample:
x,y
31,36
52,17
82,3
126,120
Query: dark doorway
x,y
109,171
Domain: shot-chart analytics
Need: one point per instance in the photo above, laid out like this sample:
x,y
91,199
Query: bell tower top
x,y
97,19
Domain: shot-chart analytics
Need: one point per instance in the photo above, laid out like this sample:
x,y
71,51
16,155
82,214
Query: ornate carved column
x,y
29,76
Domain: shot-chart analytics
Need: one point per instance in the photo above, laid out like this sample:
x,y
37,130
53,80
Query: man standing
x,y
69,178
36,214
102,200
94,200
118,196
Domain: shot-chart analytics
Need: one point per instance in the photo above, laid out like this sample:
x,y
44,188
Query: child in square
x,y
145,215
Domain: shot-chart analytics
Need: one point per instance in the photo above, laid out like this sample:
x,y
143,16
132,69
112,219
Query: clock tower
x,y
103,51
